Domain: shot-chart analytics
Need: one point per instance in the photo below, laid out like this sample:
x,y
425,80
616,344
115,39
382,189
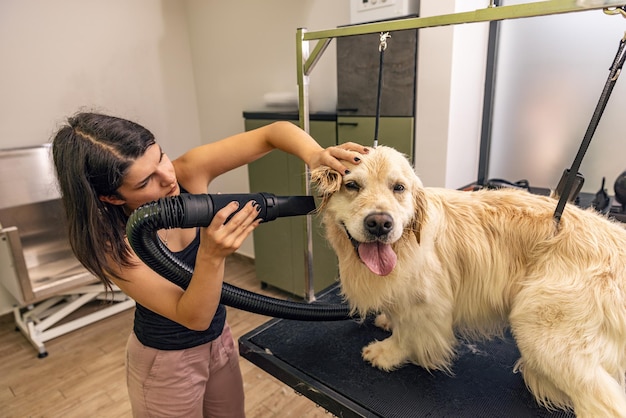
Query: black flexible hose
x,y
141,229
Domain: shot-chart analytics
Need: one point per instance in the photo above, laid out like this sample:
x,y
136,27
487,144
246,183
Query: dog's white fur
x,y
473,263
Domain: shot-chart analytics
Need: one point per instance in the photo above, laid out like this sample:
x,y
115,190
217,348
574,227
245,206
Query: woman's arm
x,y
196,168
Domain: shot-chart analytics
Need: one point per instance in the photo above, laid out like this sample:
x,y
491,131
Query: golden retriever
x,y
438,263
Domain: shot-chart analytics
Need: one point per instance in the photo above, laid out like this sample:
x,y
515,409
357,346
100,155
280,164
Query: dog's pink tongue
x,y
378,257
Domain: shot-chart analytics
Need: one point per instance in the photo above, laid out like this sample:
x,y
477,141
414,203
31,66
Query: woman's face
x,y
149,178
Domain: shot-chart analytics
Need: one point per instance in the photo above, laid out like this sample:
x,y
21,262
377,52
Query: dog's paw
x,y
385,355
382,321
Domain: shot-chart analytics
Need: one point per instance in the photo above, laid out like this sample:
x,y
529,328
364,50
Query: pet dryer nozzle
x,y
191,210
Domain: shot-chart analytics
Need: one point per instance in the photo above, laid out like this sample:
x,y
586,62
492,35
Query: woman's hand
x,y
332,156
222,238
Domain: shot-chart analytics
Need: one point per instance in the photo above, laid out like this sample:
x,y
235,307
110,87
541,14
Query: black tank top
x,y
156,331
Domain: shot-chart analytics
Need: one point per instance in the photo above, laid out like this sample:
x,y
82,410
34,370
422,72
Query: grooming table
x,y
322,360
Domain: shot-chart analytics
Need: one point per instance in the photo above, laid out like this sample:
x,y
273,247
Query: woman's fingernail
x,y
357,159
347,172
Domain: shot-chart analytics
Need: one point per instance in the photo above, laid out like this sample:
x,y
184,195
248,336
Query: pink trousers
x,y
203,381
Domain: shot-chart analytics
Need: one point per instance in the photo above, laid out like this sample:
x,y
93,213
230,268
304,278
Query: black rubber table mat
x,y
323,361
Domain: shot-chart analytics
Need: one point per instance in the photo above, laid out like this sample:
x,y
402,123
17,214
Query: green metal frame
x,y
306,59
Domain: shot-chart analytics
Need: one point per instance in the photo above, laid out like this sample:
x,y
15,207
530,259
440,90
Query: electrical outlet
x,y
364,5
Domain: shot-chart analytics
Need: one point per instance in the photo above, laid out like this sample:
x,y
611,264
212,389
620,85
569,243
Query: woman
x,y
181,357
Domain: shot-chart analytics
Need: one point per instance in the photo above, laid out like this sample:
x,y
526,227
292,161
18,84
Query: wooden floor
x,y
84,374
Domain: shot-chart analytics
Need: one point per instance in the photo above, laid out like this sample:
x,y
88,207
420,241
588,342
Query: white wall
x,y
125,57
469,52
450,83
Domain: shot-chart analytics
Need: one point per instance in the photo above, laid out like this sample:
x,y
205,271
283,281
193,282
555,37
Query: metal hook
x,y
383,41
615,11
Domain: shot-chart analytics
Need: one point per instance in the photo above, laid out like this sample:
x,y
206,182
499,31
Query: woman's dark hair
x,y
92,153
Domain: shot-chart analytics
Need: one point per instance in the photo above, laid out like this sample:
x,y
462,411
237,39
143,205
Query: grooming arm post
x,y
543,8
302,56
569,180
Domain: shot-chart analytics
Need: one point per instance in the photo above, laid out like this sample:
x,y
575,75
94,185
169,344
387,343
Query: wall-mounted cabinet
x,y
396,132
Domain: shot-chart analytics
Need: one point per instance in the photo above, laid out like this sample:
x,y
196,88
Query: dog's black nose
x,y
378,224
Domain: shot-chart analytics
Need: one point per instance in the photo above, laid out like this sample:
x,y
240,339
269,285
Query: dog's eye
x,y
353,185
398,187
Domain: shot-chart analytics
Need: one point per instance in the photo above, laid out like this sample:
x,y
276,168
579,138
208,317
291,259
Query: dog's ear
x,y
327,181
419,206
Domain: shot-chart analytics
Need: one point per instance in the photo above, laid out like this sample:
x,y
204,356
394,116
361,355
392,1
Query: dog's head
x,y
373,207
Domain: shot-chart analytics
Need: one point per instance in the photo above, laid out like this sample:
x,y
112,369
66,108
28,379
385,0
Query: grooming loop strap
x,y
614,73
382,46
